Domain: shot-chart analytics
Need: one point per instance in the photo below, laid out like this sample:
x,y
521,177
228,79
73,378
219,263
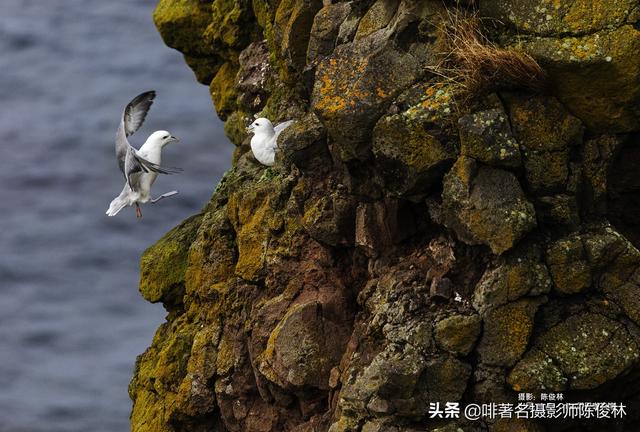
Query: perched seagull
x,y
139,167
265,139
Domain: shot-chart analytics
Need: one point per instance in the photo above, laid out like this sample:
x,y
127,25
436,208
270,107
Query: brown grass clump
x,y
478,64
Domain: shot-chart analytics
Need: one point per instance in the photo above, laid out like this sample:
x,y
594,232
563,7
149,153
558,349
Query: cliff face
x,y
414,242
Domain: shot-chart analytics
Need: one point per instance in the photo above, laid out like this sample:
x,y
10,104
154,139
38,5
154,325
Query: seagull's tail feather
x,y
117,204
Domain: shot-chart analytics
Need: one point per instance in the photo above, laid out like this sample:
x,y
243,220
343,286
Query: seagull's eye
x,y
165,137
257,124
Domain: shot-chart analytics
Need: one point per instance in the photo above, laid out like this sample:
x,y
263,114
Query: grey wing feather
x,y
136,111
282,126
132,118
132,166
135,163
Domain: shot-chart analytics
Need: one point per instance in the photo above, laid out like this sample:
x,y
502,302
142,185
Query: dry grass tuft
x,y
478,64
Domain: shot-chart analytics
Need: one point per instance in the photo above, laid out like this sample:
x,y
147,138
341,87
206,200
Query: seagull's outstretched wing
x,y
282,126
136,111
132,118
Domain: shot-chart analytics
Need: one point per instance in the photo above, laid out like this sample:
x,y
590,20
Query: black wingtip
x,y
147,96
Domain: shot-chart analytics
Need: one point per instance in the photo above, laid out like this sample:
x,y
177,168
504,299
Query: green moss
x,y
163,265
182,24
223,90
235,127
229,19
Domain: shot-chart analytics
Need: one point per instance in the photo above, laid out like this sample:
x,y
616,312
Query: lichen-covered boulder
x,y
303,144
458,333
517,275
409,158
301,349
486,206
580,353
356,83
486,136
506,331
325,30
353,88
546,132
549,19
568,265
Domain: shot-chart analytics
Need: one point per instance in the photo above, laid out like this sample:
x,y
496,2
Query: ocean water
x,y
71,318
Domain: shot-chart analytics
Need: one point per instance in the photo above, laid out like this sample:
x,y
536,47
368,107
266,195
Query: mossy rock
x,y
516,276
325,30
569,267
223,91
596,76
293,22
163,265
458,334
182,24
506,332
546,132
231,23
409,157
212,255
298,353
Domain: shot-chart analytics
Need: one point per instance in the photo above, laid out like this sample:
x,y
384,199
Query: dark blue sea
x,y
71,318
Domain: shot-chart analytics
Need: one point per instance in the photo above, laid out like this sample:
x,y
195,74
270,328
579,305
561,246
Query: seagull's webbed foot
x,y
138,211
164,195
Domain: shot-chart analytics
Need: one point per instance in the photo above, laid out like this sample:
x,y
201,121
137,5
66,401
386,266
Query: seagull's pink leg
x,y
138,211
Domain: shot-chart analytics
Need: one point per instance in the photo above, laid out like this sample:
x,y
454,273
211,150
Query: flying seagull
x,y
139,167
265,139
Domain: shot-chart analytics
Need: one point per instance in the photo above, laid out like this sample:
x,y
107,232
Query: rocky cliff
x,y
420,239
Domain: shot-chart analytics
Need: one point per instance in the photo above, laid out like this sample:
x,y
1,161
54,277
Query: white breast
x,y
145,181
264,149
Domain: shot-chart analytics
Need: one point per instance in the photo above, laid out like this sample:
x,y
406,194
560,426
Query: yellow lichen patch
x,y
148,413
343,86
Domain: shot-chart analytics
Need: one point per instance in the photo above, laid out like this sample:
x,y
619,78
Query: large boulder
x,y
580,353
486,205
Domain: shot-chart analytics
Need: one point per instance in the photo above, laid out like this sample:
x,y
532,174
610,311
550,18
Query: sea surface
x,y
71,319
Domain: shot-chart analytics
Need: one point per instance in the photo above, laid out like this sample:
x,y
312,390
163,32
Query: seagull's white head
x,y
162,138
260,126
